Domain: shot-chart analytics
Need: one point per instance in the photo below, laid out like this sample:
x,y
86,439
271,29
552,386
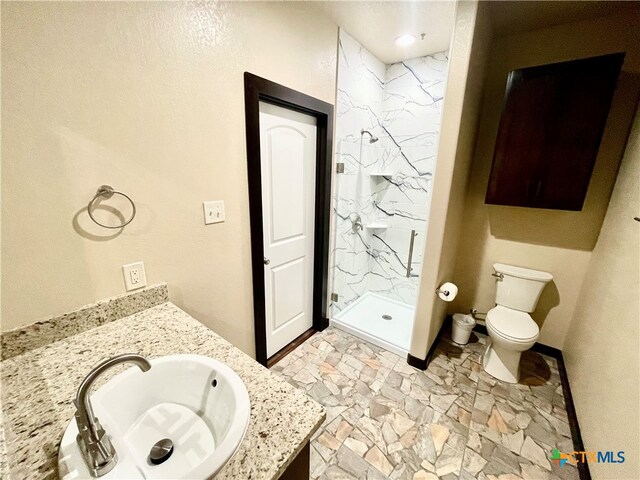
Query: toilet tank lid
x,y
522,272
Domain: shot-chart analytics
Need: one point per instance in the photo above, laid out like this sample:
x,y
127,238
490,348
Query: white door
x,y
288,163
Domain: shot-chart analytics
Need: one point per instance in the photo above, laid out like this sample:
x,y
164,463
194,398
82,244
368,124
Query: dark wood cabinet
x,y
299,468
550,130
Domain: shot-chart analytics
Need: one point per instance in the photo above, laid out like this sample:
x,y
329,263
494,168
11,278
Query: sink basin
x,y
198,403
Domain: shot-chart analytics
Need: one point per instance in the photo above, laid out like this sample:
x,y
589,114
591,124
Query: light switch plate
x,y
134,276
213,212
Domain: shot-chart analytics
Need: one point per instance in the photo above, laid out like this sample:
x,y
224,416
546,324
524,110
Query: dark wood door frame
x,y
257,89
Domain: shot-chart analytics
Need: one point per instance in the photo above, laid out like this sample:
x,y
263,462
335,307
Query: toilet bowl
x,y
510,327
511,332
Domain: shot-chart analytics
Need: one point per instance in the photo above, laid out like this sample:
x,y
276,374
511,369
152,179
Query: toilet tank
x,y
519,288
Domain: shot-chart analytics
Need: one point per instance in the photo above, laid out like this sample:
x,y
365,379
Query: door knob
x,y
266,261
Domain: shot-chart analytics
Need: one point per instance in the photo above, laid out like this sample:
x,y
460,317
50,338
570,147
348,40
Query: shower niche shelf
x,y
376,226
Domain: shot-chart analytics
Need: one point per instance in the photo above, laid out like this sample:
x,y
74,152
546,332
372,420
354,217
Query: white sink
x,y
175,399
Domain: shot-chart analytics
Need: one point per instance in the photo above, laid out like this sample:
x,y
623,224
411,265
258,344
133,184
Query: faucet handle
x,y
96,447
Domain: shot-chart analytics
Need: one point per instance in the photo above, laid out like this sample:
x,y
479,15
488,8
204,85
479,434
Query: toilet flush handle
x,y
499,276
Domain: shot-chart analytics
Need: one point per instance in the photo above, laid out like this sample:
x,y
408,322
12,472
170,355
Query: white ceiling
x,y
509,17
376,25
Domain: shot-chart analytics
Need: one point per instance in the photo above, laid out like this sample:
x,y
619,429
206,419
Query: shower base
x,y
368,318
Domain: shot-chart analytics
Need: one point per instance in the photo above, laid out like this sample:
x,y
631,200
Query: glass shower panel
x,y
378,213
354,212
387,127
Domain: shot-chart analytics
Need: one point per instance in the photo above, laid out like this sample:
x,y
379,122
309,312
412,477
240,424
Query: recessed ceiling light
x,y
405,40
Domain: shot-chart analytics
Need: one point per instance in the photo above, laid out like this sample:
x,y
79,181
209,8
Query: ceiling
x,y
376,25
509,17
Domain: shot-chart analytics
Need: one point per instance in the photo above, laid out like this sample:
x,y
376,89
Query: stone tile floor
x,y
386,419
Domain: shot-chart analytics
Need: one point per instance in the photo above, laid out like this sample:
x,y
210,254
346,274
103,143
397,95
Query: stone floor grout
x,y
386,419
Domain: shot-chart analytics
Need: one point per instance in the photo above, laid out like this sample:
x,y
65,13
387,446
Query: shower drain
x,y
386,317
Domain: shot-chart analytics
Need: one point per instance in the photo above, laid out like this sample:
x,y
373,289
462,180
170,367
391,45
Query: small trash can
x,y
462,326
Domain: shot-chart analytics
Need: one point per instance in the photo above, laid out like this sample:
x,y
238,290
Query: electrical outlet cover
x,y
134,276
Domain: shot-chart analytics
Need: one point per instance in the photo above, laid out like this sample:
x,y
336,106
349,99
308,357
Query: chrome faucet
x,y
95,445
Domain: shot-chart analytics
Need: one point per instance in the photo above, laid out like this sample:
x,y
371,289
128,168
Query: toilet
x,y
511,329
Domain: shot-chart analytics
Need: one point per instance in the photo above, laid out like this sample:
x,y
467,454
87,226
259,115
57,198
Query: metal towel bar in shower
x,y
107,191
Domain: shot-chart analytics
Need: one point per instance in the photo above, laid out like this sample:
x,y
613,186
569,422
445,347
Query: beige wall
x,y
463,96
147,97
601,353
556,241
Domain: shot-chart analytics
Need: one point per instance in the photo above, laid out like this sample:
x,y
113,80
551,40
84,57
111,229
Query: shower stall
x,y
387,129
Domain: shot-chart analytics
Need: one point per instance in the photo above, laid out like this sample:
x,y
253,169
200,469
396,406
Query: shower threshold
x,y
384,322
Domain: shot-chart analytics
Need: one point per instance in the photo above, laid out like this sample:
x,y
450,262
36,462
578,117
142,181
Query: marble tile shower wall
x,y
387,183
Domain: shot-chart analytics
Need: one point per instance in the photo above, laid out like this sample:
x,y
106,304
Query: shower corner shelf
x,y
376,226
380,174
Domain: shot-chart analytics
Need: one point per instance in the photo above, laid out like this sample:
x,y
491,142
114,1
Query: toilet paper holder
x,y
447,291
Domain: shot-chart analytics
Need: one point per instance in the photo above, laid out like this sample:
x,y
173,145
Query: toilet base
x,y
501,363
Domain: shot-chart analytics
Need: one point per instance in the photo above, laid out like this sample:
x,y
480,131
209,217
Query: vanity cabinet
x,y
552,122
299,468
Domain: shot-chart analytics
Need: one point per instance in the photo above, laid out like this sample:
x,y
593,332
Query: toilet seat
x,y
512,325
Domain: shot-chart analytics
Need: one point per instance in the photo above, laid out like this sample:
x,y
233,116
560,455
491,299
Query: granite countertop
x,y
38,386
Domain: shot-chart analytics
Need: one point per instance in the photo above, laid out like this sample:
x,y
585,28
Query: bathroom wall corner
x,y
560,242
601,351
463,96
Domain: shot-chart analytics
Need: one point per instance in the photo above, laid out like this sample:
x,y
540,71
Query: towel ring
x,y
107,191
